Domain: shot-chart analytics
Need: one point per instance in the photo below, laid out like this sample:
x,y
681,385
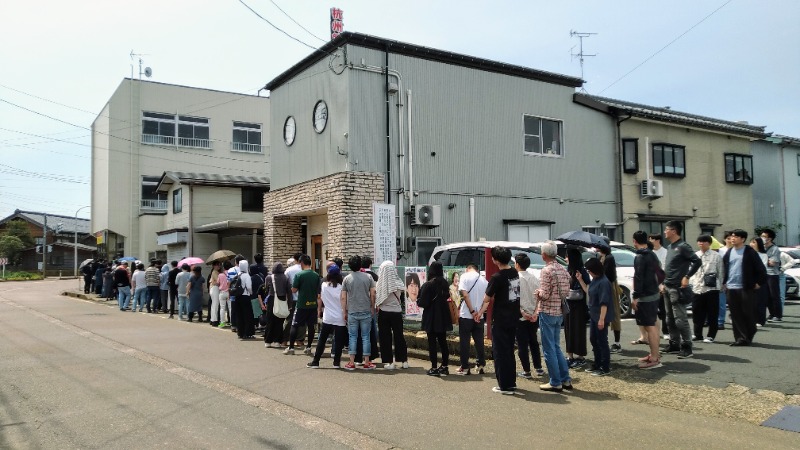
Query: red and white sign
x,y
337,22
3,261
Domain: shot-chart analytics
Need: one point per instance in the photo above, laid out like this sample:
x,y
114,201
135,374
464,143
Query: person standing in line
x,y
680,265
610,267
87,271
358,305
306,285
366,267
744,274
99,269
388,291
575,320
232,273
213,292
163,284
329,308
723,298
661,254
173,287
472,286
773,276
527,327
706,284
601,312
762,292
153,281
553,285
292,269
108,282
645,297
182,282
122,280
436,322
276,287
258,274
139,288
245,329
503,294
195,289
224,294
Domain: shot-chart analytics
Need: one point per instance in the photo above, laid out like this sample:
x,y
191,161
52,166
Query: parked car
x,y
624,259
462,253
793,274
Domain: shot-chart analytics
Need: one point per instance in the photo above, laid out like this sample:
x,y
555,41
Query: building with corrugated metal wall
x,y
776,180
456,131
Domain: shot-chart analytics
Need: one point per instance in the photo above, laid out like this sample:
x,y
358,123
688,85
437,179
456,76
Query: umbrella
x,y
190,260
582,238
220,255
85,262
127,258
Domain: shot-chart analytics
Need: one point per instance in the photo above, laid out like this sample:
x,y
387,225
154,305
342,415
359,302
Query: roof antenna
x,y
580,54
148,72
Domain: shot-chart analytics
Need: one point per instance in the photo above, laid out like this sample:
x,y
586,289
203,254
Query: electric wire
x,y
296,22
275,26
664,47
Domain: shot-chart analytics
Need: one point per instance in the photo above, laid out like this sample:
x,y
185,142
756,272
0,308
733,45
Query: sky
x,y
729,59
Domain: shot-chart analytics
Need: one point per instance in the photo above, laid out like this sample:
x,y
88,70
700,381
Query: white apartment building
x,y
148,130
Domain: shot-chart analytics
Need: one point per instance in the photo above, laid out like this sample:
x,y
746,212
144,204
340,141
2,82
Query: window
x,y
246,137
798,163
522,232
252,200
177,201
656,226
542,136
738,168
707,228
169,129
630,155
151,199
669,160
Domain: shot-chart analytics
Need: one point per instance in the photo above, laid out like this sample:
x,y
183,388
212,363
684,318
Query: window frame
x,y
731,177
176,121
672,147
247,147
635,168
252,208
177,201
798,164
541,152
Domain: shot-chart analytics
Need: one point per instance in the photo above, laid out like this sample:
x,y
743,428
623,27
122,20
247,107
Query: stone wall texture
x,y
346,198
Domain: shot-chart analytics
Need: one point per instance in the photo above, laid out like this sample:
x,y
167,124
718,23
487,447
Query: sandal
x,y
639,341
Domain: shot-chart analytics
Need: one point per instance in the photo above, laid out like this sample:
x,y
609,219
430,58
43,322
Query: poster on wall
x,y
415,277
453,276
384,233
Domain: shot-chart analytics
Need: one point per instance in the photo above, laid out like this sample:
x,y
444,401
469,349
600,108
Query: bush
x,y
20,276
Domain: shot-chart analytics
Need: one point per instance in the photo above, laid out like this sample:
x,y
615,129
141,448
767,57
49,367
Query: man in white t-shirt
x,y
473,288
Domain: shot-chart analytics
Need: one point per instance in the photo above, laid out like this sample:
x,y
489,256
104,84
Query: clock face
x,y
320,116
289,130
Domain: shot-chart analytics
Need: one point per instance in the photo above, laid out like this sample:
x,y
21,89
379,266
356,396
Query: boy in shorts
x,y
646,297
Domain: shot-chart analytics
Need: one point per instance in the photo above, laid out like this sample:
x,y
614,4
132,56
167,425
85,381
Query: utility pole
x,y
44,247
580,54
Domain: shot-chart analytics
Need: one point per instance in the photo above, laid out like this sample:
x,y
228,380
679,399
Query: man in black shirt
x,y
173,287
503,293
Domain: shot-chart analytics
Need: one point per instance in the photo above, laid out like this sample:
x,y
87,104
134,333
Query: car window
x,y
624,258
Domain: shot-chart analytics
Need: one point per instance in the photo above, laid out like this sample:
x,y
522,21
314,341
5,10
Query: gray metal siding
x,y
767,184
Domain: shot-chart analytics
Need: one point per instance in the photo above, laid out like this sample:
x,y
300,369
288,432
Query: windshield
x,y
460,257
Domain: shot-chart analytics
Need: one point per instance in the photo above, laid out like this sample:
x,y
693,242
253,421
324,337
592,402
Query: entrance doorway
x,y
316,253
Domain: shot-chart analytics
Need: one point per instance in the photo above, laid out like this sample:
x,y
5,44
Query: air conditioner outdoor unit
x,y
426,216
652,188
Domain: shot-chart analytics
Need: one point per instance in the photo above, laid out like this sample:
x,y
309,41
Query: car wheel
x,y
625,303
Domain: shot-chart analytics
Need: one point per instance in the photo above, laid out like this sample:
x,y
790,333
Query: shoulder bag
x,y
280,308
453,311
564,304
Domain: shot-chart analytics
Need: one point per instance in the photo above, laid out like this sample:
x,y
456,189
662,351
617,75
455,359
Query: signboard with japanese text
x,y
337,22
384,233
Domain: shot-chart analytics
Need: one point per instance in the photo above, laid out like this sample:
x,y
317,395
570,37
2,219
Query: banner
x,y
415,277
384,233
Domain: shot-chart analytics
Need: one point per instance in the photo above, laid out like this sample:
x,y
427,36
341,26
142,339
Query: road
x,y
82,374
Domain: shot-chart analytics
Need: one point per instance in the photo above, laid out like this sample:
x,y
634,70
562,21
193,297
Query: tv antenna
x,y
580,53
148,72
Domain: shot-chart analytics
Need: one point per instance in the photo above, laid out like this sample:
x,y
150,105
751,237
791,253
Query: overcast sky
x,y
736,60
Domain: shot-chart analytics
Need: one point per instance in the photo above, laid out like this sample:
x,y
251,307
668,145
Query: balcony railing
x,y
154,205
170,140
247,148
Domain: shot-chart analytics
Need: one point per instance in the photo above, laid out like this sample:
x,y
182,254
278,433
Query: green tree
x,y
19,228
11,247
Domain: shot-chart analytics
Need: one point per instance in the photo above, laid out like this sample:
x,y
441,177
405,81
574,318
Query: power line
x,y
664,47
297,23
275,26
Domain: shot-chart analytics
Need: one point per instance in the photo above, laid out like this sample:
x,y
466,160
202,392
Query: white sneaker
x,y
288,351
708,340
267,345
389,366
405,365
307,351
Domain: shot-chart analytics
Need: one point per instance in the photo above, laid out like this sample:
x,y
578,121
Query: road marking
x,y
334,431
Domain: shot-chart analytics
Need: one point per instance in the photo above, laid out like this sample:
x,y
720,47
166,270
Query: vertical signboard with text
x,y
337,22
384,233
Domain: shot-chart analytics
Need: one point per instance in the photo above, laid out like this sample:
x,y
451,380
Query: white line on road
x,y
306,420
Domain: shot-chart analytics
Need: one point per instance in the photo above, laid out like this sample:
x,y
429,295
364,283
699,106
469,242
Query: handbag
x,y
710,280
453,311
685,295
575,294
280,308
262,320
564,304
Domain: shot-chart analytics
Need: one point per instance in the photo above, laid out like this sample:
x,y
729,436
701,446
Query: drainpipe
x,y
410,153
472,219
191,220
388,186
618,176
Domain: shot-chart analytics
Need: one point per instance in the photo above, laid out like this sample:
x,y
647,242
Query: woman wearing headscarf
x,y
275,286
575,321
762,293
389,291
245,328
436,320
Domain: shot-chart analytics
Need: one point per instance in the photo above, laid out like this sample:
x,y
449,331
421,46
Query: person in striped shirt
x,y
553,288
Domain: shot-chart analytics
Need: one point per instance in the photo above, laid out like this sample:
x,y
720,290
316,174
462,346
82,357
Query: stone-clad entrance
x,y
346,199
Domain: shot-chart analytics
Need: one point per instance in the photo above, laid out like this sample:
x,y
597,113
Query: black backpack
x,y
237,288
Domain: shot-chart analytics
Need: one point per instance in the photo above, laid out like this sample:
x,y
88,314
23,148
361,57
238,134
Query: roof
x,y
418,51
81,247
666,114
229,225
784,140
206,179
69,224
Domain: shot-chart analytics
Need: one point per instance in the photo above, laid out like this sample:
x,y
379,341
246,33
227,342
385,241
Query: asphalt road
x,y
82,374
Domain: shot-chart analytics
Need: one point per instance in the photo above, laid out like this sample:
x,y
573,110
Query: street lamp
x,y
76,243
